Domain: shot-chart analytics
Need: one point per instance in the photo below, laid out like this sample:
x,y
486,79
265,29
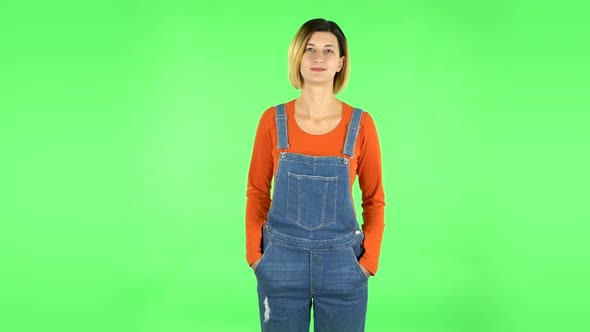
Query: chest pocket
x,y
311,200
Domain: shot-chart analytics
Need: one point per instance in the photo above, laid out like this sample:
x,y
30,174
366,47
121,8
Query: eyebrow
x,y
327,45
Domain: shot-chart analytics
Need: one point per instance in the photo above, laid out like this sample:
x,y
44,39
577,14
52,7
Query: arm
x,y
373,197
259,184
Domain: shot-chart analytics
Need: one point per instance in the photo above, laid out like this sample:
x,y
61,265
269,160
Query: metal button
x,y
345,161
283,154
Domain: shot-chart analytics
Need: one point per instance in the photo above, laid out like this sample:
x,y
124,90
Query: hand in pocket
x,y
367,272
255,264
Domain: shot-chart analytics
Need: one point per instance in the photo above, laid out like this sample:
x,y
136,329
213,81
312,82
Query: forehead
x,y
321,38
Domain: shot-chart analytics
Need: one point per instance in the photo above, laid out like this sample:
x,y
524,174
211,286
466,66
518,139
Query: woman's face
x,y
321,59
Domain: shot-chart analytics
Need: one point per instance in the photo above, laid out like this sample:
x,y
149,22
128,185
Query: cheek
x,y
306,62
335,63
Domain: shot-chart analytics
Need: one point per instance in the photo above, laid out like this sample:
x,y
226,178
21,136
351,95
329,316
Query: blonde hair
x,y
299,44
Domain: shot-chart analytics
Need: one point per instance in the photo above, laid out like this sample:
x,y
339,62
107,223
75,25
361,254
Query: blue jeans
x,y
293,278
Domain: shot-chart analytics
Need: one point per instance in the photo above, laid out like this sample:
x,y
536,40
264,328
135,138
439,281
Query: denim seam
x,y
283,240
336,164
356,262
350,202
265,255
298,219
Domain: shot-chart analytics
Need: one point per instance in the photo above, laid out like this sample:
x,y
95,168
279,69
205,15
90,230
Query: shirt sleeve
x,y
373,197
259,184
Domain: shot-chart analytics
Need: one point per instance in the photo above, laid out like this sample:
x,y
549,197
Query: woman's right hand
x,y
255,264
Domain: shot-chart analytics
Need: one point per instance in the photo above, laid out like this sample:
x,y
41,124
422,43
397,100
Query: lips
x,y
318,69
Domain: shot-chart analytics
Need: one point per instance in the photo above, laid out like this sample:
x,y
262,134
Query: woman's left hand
x,y
367,272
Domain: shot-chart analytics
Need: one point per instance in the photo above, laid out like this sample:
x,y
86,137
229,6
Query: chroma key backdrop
x,y
126,130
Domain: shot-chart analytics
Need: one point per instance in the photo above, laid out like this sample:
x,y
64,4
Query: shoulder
x,y
267,118
366,118
367,126
269,113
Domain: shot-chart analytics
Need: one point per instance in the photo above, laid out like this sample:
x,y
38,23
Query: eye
x,y
308,49
329,51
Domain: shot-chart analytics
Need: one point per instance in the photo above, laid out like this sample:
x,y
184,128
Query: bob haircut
x,y
298,48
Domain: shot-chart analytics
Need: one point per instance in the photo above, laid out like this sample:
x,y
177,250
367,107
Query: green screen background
x,y
126,129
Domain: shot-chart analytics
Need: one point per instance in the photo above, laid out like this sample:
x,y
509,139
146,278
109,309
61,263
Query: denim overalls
x,y
312,242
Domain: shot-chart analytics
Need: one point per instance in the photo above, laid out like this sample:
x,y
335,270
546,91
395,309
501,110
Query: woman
x,y
306,249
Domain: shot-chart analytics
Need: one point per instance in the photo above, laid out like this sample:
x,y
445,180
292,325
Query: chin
x,y
316,79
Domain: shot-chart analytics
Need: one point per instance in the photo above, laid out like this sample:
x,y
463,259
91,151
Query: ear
x,y
340,64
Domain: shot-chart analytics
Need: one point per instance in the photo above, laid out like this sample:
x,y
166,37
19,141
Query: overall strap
x,y
353,130
281,119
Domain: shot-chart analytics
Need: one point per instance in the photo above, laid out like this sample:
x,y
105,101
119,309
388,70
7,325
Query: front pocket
x,y
311,200
357,264
265,254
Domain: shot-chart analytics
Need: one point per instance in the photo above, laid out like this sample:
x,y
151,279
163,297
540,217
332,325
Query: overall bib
x,y
311,243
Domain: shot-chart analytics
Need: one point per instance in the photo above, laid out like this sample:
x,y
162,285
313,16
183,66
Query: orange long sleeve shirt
x,y
366,163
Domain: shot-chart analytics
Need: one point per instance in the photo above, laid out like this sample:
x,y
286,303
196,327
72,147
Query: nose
x,y
318,57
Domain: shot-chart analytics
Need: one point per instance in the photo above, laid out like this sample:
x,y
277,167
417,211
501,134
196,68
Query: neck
x,y
316,100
